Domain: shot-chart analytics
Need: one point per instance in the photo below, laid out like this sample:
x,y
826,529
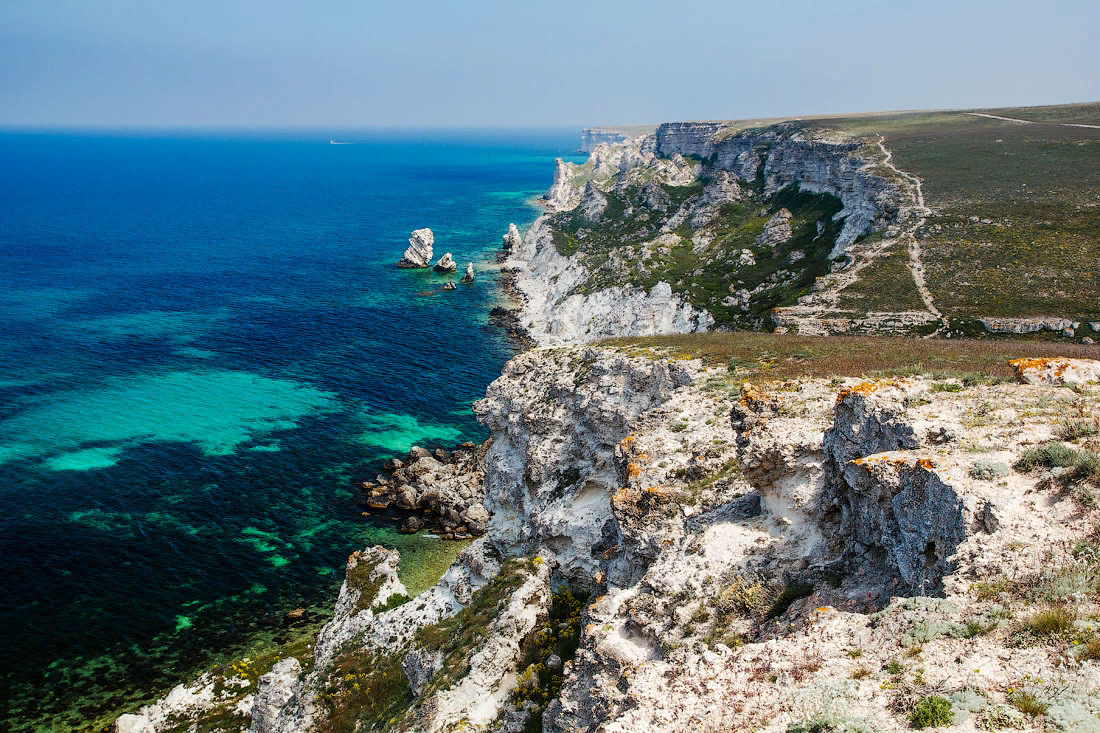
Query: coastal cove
x,y
206,346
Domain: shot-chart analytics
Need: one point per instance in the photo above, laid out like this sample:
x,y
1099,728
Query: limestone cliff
x,y
789,556
677,231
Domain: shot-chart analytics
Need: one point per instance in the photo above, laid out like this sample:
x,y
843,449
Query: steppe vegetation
x,y
1016,225
785,356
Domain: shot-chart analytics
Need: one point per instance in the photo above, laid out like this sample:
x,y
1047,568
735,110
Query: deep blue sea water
x,y
204,346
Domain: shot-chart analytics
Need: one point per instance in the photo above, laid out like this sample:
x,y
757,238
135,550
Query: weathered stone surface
x,y
419,253
446,264
469,276
1025,325
1057,371
593,202
777,230
281,705
420,666
512,239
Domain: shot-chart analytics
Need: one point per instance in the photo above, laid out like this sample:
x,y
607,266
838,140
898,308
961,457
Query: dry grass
x,y
1034,190
787,356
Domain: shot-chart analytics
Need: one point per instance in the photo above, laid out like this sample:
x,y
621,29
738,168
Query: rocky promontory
x,y
671,548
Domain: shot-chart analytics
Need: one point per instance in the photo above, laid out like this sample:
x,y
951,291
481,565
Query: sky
x,y
445,63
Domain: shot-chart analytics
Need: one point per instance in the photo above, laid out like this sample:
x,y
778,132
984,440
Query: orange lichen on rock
x,y
1031,365
863,388
621,495
633,469
894,460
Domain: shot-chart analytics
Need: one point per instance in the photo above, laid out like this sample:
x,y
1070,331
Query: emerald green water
x,y
204,349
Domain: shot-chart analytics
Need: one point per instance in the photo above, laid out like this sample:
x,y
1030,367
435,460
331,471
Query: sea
x,y
205,347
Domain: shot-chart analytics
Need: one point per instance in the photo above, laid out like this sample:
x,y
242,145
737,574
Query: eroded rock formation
x,y
419,252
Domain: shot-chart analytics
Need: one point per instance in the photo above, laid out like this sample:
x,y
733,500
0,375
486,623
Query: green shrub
x,y
1051,455
931,712
397,599
1053,621
1028,704
787,596
1079,427
1086,465
947,387
987,471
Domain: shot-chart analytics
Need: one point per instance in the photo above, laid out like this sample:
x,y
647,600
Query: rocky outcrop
x,y
889,496
446,264
1057,372
469,276
593,136
1026,325
419,253
554,313
582,276
760,556
564,193
777,230
512,239
551,472
593,202
444,489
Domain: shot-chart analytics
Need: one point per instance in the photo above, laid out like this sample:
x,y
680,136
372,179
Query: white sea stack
x,y
469,276
512,239
419,253
446,264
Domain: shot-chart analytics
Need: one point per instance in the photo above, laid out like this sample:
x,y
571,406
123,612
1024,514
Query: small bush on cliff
x,y
1053,621
1051,455
787,596
1080,427
931,712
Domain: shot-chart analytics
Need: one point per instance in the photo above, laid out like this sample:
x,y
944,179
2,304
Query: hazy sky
x,y
515,63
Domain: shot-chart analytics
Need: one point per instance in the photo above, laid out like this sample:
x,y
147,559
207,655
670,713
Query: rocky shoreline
x,y
735,556
438,490
663,546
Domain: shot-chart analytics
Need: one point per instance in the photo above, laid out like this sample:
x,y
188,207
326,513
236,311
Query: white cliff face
x,y
757,557
563,305
554,314
550,480
419,253
819,161
564,193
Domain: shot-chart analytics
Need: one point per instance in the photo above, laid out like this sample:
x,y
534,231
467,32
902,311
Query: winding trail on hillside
x,y
1032,122
916,263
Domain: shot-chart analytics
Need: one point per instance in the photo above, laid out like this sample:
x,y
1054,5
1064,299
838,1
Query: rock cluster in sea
x,y
469,276
439,490
419,253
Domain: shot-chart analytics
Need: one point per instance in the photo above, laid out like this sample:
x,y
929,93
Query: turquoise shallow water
x,y
204,346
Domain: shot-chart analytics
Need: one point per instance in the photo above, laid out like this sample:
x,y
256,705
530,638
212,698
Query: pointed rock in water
x,y
419,253
469,276
512,239
446,264
450,286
